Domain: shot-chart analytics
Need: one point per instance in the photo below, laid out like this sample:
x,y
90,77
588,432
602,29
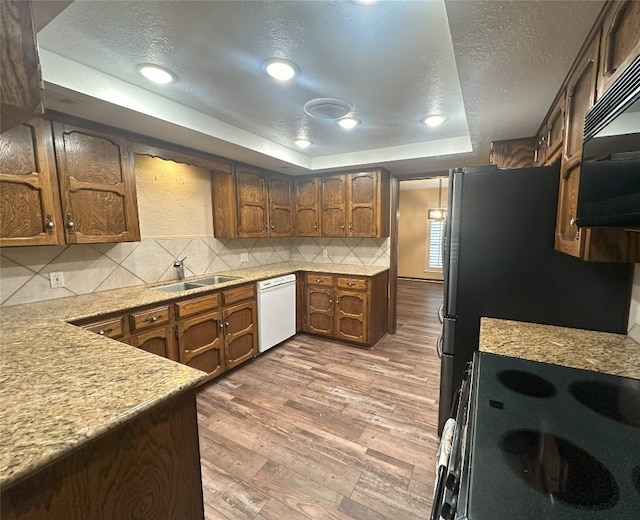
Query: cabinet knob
x,y
49,224
338,301
573,222
342,227
350,225
220,324
330,300
315,227
226,323
69,223
151,319
350,283
102,332
272,226
318,280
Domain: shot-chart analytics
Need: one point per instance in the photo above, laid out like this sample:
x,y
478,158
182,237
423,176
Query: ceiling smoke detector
x,y
327,108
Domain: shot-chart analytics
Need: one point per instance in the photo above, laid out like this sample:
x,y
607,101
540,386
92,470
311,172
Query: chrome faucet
x,y
179,265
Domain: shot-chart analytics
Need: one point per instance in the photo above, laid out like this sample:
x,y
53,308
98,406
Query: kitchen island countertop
x,y
62,386
615,354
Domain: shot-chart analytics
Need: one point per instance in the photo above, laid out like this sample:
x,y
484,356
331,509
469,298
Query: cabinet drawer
x,y
320,279
239,294
210,302
112,328
149,318
352,283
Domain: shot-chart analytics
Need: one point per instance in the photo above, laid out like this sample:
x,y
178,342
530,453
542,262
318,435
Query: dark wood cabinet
x,y
158,340
345,307
514,153
240,333
281,206
21,84
223,197
251,186
620,44
307,213
333,206
29,196
201,342
97,185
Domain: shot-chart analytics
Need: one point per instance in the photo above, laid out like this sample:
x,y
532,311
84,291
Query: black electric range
x,y
550,442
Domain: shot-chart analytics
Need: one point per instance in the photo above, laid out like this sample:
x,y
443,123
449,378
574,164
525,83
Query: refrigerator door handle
x,y
441,313
439,346
449,336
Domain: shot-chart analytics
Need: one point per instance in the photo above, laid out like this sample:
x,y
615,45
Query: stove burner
x,y
526,383
635,478
554,466
617,402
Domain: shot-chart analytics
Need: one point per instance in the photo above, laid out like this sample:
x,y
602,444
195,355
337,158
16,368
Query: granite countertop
x,y
61,386
604,352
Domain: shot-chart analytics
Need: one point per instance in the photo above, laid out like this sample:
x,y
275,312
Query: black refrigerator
x,y
499,261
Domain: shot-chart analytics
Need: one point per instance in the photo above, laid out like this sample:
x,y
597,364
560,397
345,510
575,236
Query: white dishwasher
x,y
276,310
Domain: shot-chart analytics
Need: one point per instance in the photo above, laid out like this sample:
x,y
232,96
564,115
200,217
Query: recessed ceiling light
x,y
302,143
281,70
348,122
156,74
434,120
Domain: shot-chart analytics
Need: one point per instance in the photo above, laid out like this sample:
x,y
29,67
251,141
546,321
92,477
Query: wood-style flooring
x,y
318,429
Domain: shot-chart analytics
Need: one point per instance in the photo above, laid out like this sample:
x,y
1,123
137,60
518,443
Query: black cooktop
x,y
552,442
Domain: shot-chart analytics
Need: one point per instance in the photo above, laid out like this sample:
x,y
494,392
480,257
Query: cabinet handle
x,y
266,226
50,224
330,300
221,324
337,301
572,222
350,225
226,323
272,226
350,284
69,223
151,319
102,332
318,280
315,227
342,227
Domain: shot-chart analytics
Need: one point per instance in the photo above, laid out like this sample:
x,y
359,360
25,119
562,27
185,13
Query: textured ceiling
x,y
492,67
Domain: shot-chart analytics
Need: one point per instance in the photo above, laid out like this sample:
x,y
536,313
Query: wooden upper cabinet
x,y
307,214
21,88
620,41
581,95
97,185
363,203
568,235
29,197
223,197
513,153
333,205
555,131
281,206
251,186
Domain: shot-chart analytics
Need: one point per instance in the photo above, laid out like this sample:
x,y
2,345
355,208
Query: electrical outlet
x,y
325,253
56,279
244,257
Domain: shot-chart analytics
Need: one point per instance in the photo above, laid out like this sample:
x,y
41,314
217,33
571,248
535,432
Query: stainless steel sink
x,y
195,284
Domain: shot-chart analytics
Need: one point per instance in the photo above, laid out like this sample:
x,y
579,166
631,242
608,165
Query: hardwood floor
x,y
317,429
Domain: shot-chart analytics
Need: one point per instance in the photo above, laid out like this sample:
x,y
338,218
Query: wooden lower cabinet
x,y
240,333
159,341
201,343
346,308
148,467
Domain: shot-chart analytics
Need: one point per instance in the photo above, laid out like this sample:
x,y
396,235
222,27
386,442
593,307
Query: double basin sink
x,y
195,284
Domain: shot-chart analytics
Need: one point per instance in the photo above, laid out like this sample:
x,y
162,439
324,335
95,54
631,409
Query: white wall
x,y
634,309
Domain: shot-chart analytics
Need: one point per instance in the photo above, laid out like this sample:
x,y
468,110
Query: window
x,y
434,255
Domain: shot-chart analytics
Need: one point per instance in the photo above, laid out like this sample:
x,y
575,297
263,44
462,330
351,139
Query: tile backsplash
x,y
86,268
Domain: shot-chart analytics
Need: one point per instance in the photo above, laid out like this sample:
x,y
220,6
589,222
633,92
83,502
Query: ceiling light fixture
x,y
282,70
302,143
155,73
434,120
439,213
348,122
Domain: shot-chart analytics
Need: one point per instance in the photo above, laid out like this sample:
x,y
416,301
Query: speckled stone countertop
x,y
61,386
615,354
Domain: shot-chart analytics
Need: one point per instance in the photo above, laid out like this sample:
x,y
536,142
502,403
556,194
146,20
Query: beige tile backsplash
x,y
24,271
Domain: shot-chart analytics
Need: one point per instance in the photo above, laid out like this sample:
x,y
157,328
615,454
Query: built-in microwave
x,y
609,189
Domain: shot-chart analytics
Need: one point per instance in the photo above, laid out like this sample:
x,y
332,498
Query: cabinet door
x,y
97,186
29,197
252,203
307,208
21,90
223,197
620,41
240,333
581,95
159,341
333,204
319,318
351,316
281,206
362,195
540,150
555,131
567,233
200,342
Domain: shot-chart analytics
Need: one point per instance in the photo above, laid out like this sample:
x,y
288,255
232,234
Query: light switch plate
x,y
244,257
325,253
